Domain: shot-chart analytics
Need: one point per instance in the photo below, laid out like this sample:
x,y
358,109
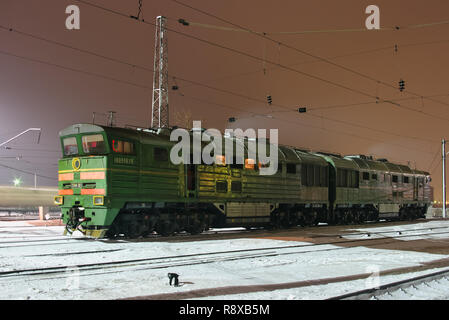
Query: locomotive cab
x,y
82,184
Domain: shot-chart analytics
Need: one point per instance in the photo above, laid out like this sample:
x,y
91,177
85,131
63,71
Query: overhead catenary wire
x,y
93,74
306,124
255,99
435,157
351,54
181,79
27,172
115,12
277,64
339,106
74,70
264,35
299,32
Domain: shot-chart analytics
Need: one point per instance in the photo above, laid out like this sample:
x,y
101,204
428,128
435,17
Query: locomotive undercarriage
x,y
170,218
361,214
194,219
290,215
411,212
133,222
354,214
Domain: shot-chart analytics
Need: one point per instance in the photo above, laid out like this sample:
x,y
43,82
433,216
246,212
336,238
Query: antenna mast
x,y
159,116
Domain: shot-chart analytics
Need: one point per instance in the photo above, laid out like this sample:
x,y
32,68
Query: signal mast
x,y
159,115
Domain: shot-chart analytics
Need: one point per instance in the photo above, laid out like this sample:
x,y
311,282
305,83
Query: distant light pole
x,y
443,151
17,181
22,133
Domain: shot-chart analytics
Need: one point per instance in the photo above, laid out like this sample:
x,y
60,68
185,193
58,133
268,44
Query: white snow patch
x,y
270,265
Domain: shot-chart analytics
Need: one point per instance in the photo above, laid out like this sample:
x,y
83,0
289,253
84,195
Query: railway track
x,y
41,242
438,282
152,263
378,233
185,236
30,240
198,258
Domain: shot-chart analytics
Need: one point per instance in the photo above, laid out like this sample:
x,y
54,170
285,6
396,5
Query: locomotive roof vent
x,y
195,129
329,154
361,156
151,130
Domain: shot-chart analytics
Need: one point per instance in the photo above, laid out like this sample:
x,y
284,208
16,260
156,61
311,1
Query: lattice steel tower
x,y
159,117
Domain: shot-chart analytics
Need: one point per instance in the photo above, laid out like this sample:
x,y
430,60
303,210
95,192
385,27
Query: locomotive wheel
x,y
363,216
133,230
412,214
293,220
287,220
195,228
310,218
402,214
339,217
165,228
112,232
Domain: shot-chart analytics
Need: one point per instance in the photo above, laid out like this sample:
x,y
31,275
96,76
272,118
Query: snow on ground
x,y
295,261
326,291
427,230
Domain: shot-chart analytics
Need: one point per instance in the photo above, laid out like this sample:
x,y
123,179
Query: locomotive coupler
x,y
76,217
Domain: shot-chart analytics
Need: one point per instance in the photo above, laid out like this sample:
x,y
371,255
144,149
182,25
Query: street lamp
x,y
22,133
17,182
444,153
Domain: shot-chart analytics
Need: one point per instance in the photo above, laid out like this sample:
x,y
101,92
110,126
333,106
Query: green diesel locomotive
x,y
120,181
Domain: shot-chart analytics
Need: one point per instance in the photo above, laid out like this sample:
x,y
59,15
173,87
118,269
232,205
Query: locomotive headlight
x,y
59,200
98,200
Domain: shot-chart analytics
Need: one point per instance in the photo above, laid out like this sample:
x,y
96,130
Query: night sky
x,y
43,84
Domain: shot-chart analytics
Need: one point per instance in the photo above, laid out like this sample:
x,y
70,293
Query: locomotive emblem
x,y
76,164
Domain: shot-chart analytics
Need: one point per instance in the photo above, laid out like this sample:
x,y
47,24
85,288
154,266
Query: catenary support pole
x,y
443,142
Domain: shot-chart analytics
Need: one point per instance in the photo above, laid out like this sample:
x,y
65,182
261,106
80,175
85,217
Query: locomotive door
x,y
420,188
191,171
415,188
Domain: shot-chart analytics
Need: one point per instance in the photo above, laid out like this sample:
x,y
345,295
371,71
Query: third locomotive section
x,y
116,181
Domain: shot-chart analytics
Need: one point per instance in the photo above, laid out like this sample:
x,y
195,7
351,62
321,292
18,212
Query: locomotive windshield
x,y
70,146
91,144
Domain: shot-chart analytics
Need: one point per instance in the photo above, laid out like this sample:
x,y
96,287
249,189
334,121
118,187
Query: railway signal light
x,y
232,119
302,110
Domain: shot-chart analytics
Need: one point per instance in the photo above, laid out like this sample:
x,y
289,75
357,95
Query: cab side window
x,y
123,147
